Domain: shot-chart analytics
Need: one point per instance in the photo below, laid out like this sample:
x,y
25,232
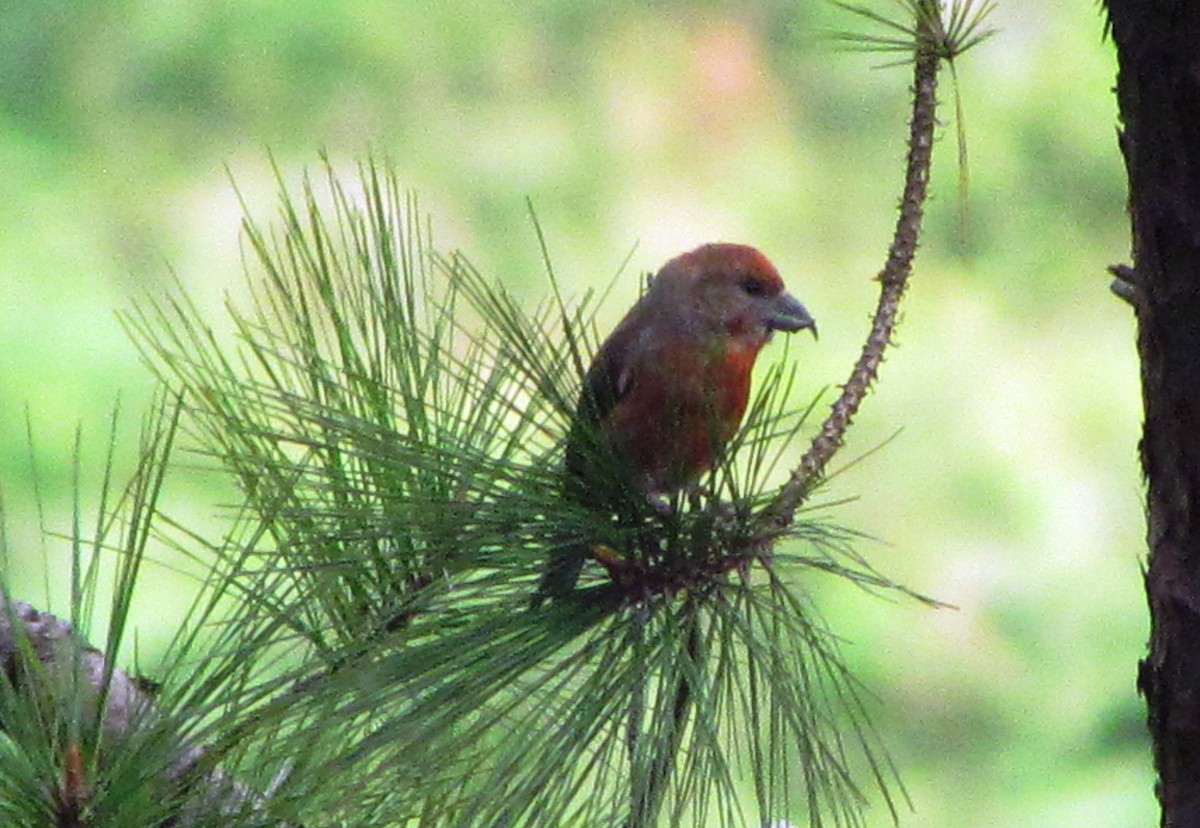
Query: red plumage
x,y
669,387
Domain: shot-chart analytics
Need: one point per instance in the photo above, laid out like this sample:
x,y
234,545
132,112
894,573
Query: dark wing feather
x,y
594,477
607,382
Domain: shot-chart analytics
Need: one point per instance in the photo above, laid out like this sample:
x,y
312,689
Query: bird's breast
x,y
682,411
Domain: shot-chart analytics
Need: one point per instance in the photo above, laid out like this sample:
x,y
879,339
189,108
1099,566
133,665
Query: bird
x,y
667,390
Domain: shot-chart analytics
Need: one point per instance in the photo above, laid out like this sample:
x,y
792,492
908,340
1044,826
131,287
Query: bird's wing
x,y
612,374
592,477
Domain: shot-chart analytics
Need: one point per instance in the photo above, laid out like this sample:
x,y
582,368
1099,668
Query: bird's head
x,y
731,288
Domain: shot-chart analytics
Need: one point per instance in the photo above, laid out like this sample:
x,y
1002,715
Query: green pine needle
x,y
943,29
921,25
395,419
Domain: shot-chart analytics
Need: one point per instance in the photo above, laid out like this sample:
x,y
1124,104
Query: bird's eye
x,y
754,287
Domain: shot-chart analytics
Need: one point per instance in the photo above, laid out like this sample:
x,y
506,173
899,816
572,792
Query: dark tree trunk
x,y
1158,88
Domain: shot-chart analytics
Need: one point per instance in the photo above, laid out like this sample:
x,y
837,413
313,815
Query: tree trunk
x,y
1158,89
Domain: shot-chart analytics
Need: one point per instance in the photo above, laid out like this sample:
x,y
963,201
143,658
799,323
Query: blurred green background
x,y
1012,490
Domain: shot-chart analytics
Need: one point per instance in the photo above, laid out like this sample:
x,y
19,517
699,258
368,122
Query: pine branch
x,y
43,655
403,460
931,41
112,741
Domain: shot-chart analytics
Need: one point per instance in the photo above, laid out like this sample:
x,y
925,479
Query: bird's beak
x,y
787,314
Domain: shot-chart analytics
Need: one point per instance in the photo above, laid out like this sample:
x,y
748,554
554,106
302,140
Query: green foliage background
x,y
1012,491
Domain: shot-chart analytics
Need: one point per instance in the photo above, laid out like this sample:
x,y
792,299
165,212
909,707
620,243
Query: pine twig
x,y
38,646
893,280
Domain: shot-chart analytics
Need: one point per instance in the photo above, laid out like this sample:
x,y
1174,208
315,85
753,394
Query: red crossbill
x,y
668,388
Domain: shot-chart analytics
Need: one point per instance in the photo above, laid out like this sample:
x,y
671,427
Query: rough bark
x,y
28,636
1158,89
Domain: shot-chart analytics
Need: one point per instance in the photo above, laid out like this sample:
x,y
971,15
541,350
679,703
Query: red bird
x,y
668,388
